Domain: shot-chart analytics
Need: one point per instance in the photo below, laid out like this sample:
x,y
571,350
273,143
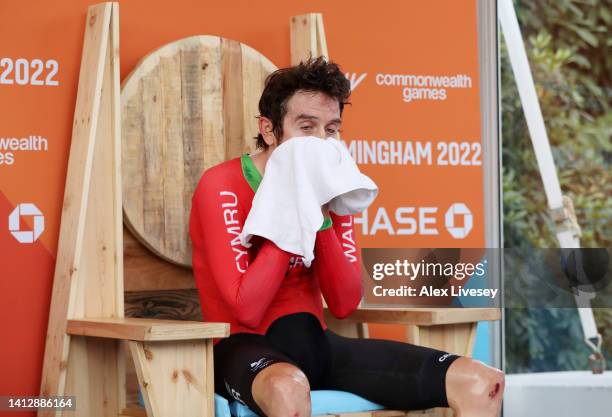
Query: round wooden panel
x,y
187,106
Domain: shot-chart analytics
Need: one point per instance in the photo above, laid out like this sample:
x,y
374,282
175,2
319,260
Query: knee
x,y
489,382
283,391
475,385
292,385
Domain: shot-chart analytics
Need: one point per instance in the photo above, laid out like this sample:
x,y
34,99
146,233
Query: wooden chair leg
x,y
176,379
455,338
93,377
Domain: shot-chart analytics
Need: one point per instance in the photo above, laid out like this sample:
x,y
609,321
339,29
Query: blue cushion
x,y
222,408
323,402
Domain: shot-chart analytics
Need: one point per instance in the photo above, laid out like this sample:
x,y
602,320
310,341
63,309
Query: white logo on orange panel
x,y
26,236
354,79
458,209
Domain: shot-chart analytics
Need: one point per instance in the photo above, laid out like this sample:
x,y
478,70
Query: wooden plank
x,y
378,413
145,378
152,191
93,366
212,107
76,198
193,66
303,32
169,305
117,200
432,412
99,283
209,374
131,380
174,220
389,413
307,37
321,39
145,271
455,338
133,155
174,377
233,127
92,376
424,316
183,112
133,412
147,329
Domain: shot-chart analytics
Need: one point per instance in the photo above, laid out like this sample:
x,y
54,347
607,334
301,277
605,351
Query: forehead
x,y
313,103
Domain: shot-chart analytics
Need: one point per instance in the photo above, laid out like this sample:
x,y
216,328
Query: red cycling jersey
x,y
251,287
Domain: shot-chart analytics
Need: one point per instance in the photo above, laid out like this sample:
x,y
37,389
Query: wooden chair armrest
x,y
423,316
146,329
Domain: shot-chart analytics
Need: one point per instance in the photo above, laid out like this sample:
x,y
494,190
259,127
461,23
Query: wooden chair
x,y
115,244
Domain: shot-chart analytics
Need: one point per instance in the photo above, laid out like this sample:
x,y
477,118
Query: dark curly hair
x,y
312,75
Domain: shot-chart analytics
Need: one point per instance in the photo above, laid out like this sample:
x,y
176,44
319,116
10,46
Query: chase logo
x,y
26,236
458,230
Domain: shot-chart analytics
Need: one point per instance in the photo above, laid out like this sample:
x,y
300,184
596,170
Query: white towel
x,y
301,175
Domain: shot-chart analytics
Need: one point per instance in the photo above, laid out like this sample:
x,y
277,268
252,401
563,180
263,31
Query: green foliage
x,y
568,46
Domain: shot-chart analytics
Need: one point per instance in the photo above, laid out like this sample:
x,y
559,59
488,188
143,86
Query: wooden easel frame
x,y
86,330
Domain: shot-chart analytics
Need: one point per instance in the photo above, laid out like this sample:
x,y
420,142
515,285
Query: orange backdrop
x,y
417,43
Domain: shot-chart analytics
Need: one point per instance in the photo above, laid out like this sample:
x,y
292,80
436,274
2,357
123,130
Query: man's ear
x,y
265,128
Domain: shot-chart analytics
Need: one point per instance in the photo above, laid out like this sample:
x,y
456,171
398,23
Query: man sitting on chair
x,y
280,347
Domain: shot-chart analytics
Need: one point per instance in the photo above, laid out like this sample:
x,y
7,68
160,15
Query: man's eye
x,y
306,127
332,131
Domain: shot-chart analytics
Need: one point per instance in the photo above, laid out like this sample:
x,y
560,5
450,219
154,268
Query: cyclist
x,y
280,347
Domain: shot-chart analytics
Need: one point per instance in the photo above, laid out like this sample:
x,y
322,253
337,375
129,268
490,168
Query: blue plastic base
x,y
323,402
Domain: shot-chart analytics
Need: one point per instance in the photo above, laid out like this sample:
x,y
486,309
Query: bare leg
x,y
474,389
282,390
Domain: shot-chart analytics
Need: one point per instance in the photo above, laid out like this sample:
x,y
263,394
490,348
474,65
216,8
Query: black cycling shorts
x,y
397,375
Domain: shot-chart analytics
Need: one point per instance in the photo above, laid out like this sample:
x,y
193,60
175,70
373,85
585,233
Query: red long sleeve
x,y
337,266
251,287
246,286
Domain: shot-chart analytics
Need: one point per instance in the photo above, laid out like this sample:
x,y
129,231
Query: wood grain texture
x,y
187,106
174,377
178,304
146,329
307,37
88,275
231,68
424,316
145,271
92,377
455,338
133,411
171,305
93,366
